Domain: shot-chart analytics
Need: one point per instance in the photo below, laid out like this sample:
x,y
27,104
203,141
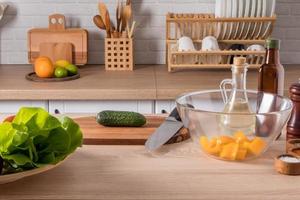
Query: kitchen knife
x,y
165,132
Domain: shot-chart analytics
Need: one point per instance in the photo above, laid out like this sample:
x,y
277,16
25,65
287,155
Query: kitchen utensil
x,y
95,134
130,32
3,8
119,15
99,22
33,77
186,44
166,131
58,33
4,179
102,11
119,54
127,14
57,51
108,25
204,119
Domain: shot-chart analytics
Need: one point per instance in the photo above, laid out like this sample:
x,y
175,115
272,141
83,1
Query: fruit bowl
x,y
247,136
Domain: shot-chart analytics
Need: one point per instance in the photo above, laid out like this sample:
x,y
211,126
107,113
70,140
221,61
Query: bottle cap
x,y
239,61
272,43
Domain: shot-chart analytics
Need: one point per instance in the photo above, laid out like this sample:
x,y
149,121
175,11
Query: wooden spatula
x,y
102,11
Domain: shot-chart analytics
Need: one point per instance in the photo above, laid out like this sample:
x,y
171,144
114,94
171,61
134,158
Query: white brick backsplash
x,y
150,33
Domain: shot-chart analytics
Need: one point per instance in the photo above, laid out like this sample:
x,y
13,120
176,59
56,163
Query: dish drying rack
x,y
228,31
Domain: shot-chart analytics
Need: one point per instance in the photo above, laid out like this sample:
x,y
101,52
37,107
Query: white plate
x,y
271,5
262,25
246,14
258,14
252,14
17,176
227,14
234,13
240,15
220,12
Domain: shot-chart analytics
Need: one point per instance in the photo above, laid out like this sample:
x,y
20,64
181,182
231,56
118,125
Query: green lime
x,y
60,72
72,70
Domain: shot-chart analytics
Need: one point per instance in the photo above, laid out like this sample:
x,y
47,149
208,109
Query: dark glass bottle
x,y
271,74
271,80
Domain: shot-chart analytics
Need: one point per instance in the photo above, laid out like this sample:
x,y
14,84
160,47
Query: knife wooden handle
x,y
182,135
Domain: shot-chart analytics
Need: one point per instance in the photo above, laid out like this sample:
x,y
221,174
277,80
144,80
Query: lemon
x,y
60,72
72,69
62,63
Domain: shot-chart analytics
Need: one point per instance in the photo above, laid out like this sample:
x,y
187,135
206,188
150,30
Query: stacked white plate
x,y
244,8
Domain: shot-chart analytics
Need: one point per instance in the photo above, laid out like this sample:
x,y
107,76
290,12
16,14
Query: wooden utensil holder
x,y
245,31
119,54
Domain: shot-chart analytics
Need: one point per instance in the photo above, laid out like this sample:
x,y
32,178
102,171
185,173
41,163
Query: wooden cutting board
x,y
57,33
57,51
95,134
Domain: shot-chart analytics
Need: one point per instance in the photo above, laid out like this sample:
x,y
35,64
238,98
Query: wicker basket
x,y
119,54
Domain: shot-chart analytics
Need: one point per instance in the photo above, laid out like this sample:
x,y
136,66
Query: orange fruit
x,y
43,67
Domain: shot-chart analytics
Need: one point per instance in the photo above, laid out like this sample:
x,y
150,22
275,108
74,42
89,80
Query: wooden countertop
x,y
176,172
181,172
147,82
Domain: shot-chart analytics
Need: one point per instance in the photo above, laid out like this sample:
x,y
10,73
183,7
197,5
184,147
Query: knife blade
x,y
166,131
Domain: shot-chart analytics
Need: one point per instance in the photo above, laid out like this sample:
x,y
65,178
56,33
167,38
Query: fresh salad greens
x,y
35,139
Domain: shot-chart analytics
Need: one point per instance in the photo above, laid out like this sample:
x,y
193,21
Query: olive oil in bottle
x,y
237,111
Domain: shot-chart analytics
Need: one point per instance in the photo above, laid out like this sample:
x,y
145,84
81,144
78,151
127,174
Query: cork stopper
x,y
239,61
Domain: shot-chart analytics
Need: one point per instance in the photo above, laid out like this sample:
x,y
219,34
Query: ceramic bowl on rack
x,y
269,113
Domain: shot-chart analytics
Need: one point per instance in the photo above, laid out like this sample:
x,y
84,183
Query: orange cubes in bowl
x,y
239,147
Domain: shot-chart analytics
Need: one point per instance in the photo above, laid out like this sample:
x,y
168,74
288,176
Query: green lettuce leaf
x,y
35,138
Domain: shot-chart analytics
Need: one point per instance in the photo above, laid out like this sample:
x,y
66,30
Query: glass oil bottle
x,y
237,112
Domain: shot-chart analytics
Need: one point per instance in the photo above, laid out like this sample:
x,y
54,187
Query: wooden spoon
x,y
99,22
127,14
103,10
108,25
119,15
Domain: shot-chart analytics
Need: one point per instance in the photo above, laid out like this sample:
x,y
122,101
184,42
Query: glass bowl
x,y
233,136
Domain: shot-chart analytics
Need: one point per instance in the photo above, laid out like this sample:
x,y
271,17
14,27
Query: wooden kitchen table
x,y
177,172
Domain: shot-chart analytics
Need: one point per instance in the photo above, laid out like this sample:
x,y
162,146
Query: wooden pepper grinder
x,y
293,126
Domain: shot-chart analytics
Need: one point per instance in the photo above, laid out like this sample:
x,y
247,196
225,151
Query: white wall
x,y
150,14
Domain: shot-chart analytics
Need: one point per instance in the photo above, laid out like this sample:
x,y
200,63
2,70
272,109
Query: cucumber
x,y
120,119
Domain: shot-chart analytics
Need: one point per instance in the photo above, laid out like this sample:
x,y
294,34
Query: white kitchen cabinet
x,y
167,105
92,107
14,106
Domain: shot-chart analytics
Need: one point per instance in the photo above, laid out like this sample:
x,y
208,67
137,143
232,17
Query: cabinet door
x,y
92,107
166,105
14,106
